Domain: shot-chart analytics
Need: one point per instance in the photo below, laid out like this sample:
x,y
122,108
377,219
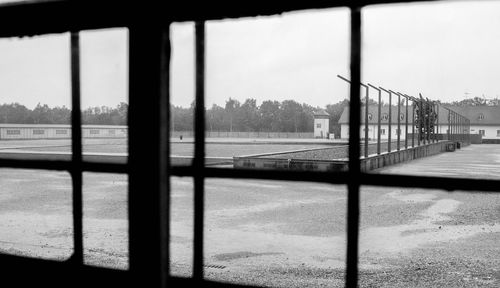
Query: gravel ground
x,y
277,233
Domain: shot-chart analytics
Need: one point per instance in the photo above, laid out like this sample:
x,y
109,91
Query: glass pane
x,y
182,87
427,58
268,86
428,238
36,101
104,81
182,225
36,213
105,220
271,233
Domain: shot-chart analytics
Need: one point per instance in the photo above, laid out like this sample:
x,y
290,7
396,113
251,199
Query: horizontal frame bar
x,y
387,180
64,166
73,15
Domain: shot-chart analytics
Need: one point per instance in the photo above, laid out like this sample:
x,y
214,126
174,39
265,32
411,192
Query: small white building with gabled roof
x,y
321,124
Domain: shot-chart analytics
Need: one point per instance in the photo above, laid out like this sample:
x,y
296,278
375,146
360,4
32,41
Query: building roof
x,y
321,113
479,115
490,114
373,114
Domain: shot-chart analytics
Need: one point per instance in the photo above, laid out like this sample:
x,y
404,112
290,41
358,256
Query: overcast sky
x,y
442,50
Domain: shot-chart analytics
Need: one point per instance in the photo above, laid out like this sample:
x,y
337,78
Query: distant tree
x,y
231,110
249,114
289,116
270,116
215,118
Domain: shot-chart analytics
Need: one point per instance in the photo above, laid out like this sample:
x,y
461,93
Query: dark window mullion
x,y
76,145
199,153
165,154
354,151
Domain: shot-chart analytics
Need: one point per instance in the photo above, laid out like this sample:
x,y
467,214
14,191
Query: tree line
x,y
16,113
269,116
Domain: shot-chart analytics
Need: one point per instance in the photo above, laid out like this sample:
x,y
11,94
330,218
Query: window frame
x,y
148,138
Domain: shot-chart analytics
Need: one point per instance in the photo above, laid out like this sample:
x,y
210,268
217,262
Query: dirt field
x,y
277,233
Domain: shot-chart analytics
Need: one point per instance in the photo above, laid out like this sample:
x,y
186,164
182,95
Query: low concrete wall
x,y
395,157
370,163
490,141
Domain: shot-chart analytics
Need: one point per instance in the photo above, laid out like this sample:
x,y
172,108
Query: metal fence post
x,y
378,116
406,123
413,123
367,98
420,121
390,120
399,120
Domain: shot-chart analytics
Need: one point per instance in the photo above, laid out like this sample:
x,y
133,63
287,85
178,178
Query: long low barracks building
x,y
484,120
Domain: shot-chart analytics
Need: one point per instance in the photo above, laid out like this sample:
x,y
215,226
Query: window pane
x,y
105,220
267,83
36,213
271,233
182,93
428,238
35,107
427,56
181,226
104,83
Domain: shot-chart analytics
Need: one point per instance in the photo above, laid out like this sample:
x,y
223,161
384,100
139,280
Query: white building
x,y
484,120
321,124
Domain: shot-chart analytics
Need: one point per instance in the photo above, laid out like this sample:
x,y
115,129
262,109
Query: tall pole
x,y
366,112
367,98
437,121
378,116
420,121
413,123
399,120
389,118
406,123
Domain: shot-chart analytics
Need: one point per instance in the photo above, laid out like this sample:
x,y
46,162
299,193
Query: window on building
x,y
14,132
61,132
481,132
382,131
498,133
111,132
38,132
94,132
318,125
480,116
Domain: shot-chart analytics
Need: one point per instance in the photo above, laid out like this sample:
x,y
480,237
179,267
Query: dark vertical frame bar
x,y
354,151
76,146
146,161
165,154
199,152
